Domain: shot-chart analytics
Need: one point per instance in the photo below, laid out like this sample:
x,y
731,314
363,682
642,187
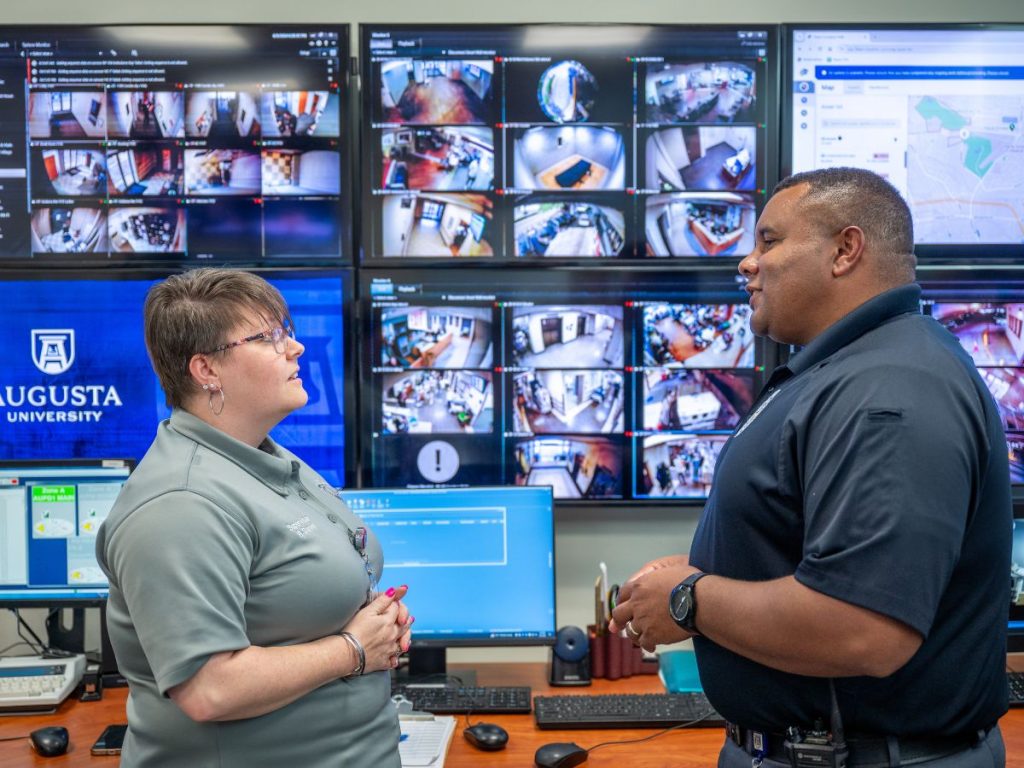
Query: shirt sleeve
x,y
891,458
182,564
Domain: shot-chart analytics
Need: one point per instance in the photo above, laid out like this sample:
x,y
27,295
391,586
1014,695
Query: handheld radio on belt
x,y
818,748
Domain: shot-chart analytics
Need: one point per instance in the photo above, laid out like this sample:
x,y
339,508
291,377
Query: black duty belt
x,y
865,751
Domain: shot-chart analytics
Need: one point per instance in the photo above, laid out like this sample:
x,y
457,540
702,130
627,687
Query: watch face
x,y
682,603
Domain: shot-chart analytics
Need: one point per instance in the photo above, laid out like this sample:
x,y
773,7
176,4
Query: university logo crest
x,y
53,349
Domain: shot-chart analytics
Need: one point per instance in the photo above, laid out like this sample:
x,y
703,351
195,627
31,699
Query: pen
x,y
604,591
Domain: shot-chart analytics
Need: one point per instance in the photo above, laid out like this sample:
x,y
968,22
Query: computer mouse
x,y
486,736
560,755
50,741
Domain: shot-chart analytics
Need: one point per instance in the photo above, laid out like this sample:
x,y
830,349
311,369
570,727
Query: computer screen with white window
x,y
934,109
479,562
50,513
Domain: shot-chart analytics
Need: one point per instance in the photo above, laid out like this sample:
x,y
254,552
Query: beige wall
x,y
622,537
74,11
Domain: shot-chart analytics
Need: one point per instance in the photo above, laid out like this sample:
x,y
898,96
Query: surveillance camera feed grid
x,y
170,139
525,392
672,141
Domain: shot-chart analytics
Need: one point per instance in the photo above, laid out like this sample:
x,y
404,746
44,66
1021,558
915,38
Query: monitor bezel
x,y
347,140
770,153
934,254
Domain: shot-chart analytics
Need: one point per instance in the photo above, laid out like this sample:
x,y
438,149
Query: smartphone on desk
x,y
110,741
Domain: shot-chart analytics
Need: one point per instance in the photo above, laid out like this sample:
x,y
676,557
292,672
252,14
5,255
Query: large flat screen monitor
x,y
606,386
479,562
936,109
1015,635
985,311
50,512
534,142
77,381
143,144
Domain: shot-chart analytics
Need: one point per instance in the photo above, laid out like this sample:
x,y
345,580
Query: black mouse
x,y
486,736
50,741
560,755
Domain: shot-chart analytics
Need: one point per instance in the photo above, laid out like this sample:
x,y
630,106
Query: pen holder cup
x,y
613,656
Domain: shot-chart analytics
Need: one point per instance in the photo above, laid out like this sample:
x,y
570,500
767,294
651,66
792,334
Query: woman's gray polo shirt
x,y
213,546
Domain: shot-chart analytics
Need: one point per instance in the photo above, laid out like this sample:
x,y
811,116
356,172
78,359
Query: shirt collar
x,y
868,316
268,464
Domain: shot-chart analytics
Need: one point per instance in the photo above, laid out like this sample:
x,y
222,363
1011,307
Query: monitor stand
x,y
428,667
66,637
112,677
72,638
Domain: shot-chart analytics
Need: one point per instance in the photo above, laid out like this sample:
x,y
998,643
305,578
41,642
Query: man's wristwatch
x,y
682,603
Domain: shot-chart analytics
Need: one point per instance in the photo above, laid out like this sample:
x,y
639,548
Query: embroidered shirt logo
x,y
302,527
756,413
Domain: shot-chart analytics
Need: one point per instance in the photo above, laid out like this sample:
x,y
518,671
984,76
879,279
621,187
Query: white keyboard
x,y
35,684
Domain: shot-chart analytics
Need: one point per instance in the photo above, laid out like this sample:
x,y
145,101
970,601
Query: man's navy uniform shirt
x,y
873,468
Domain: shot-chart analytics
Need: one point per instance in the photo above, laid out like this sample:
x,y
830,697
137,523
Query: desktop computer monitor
x,y
50,513
479,562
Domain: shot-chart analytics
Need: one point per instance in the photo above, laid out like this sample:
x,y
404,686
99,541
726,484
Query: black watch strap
x,y
684,597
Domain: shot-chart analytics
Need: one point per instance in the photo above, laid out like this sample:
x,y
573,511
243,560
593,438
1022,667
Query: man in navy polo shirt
x,y
854,553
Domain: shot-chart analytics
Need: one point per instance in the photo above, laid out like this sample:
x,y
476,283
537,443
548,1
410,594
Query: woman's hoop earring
x,y
215,391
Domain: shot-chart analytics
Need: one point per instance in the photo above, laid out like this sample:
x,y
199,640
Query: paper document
x,y
425,740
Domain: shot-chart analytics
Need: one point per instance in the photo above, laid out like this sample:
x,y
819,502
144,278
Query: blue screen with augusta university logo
x,y
76,382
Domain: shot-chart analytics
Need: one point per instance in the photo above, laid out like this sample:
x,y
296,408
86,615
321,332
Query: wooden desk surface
x,y
697,748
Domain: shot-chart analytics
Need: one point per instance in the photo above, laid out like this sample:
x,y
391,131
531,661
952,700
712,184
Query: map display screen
x,y
937,112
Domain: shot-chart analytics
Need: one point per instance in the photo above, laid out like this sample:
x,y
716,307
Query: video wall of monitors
x,y
607,386
77,382
184,144
619,168
985,311
936,109
529,143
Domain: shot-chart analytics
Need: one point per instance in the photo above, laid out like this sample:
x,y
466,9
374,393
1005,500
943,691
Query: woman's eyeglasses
x,y
277,336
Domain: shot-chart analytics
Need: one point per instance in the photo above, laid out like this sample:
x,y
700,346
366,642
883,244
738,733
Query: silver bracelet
x,y
358,648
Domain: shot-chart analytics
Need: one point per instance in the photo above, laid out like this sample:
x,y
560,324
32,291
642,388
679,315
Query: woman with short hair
x,y
242,605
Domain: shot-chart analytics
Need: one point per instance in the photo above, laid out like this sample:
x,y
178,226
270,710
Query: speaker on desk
x,y
570,658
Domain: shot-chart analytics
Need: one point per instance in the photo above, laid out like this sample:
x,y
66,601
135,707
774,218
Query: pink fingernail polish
x,y
390,592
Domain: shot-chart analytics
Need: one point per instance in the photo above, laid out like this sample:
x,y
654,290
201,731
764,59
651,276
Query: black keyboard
x,y
650,710
442,700
1016,681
